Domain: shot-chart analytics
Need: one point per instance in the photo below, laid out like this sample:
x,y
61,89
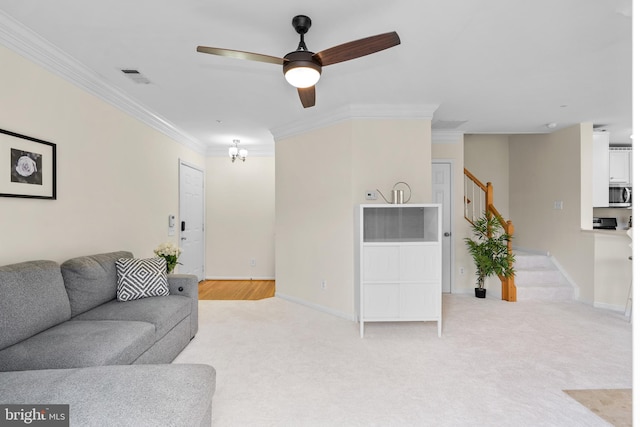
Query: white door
x,y
191,223
441,193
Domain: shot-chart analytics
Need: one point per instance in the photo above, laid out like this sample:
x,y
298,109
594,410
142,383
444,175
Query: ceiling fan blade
x,y
307,96
238,54
358,48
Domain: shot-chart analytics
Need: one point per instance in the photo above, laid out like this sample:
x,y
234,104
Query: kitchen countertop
x,y
617,232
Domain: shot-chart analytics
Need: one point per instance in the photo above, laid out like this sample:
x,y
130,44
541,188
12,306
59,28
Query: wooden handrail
x,y
509,291
475,180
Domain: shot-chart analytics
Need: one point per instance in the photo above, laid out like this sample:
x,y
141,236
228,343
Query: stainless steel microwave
x,y
619,196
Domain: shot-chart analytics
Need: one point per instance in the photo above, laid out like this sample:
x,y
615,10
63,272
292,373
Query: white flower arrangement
x,y
167,249
170,253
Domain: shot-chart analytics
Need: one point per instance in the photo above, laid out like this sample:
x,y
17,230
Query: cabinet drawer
x,y
380,301
381,263
391,301
419,301
419,263
411,263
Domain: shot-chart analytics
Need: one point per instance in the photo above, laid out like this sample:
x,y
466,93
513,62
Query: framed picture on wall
x,y
27,166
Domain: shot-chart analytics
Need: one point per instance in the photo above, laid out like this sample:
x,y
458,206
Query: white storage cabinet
x,y
400,263
620,165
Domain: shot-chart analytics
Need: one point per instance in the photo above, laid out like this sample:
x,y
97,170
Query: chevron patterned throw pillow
x,y
141,278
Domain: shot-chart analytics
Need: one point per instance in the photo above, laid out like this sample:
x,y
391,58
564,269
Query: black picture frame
x,y
27,166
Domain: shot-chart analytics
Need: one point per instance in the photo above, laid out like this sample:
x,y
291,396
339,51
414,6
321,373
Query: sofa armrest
x,y
186,285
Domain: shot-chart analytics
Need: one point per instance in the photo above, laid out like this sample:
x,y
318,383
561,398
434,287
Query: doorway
x,y
191,223
441,188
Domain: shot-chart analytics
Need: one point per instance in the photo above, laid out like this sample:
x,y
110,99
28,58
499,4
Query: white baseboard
x,y
612,307
318,307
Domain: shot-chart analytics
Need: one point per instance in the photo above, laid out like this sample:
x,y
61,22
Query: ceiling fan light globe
x,y
233,152
243,153
302,77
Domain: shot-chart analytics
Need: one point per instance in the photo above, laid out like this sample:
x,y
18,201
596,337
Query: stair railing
x,y
478,199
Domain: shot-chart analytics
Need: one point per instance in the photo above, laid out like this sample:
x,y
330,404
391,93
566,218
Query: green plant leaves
x,y
489,249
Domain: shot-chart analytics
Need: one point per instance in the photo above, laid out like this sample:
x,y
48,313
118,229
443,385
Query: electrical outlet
x,y
252,262
462,271
371,195
323,284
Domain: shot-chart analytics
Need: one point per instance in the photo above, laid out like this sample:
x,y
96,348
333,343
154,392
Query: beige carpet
x,y
497,364
611,405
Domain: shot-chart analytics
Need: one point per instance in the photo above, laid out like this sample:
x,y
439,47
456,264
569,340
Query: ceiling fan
x,y
302,67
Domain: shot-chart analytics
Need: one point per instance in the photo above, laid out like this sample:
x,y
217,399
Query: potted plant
x,y
489,251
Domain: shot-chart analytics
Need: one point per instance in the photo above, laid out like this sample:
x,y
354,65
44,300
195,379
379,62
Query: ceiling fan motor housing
x,y
301,59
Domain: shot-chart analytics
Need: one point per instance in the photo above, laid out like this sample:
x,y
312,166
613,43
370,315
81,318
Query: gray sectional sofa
x,y
64,322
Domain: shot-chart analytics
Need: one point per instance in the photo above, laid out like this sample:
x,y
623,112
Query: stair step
x,y
546,293
525,261
538,278
525,277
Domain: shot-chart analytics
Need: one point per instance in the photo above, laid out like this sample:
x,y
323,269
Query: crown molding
x,y
30,45
351,112
446,137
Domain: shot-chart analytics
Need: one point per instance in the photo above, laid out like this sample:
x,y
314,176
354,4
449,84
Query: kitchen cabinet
x,y
600,169
612,273
400,254
620,162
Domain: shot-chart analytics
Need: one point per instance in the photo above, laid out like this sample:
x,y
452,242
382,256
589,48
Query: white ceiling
x,y
499,66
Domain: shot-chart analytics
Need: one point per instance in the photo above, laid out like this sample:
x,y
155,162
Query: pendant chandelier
x,y
236,153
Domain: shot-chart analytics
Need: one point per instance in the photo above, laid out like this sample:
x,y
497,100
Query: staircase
x,y
478,200
538,278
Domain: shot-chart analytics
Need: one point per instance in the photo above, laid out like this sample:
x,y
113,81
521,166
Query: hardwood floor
x,y
236,289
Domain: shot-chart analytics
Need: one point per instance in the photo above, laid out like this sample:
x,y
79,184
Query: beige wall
x,y
321,178
388,151
117,178
314,230
240,218
487,158
545,169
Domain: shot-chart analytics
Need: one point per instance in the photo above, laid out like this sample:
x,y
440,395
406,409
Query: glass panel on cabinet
x,y
400,224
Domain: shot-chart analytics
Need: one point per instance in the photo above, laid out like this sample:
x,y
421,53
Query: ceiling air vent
x,y
136,76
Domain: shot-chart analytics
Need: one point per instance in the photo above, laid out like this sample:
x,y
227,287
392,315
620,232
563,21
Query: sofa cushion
x,y
76,344
33,299
141,278
142,395
164,313
91,280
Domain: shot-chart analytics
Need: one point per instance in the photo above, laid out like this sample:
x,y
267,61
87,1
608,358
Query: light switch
x,y
558,205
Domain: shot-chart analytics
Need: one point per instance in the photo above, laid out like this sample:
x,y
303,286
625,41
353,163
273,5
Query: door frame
x,y
182,163
452,216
